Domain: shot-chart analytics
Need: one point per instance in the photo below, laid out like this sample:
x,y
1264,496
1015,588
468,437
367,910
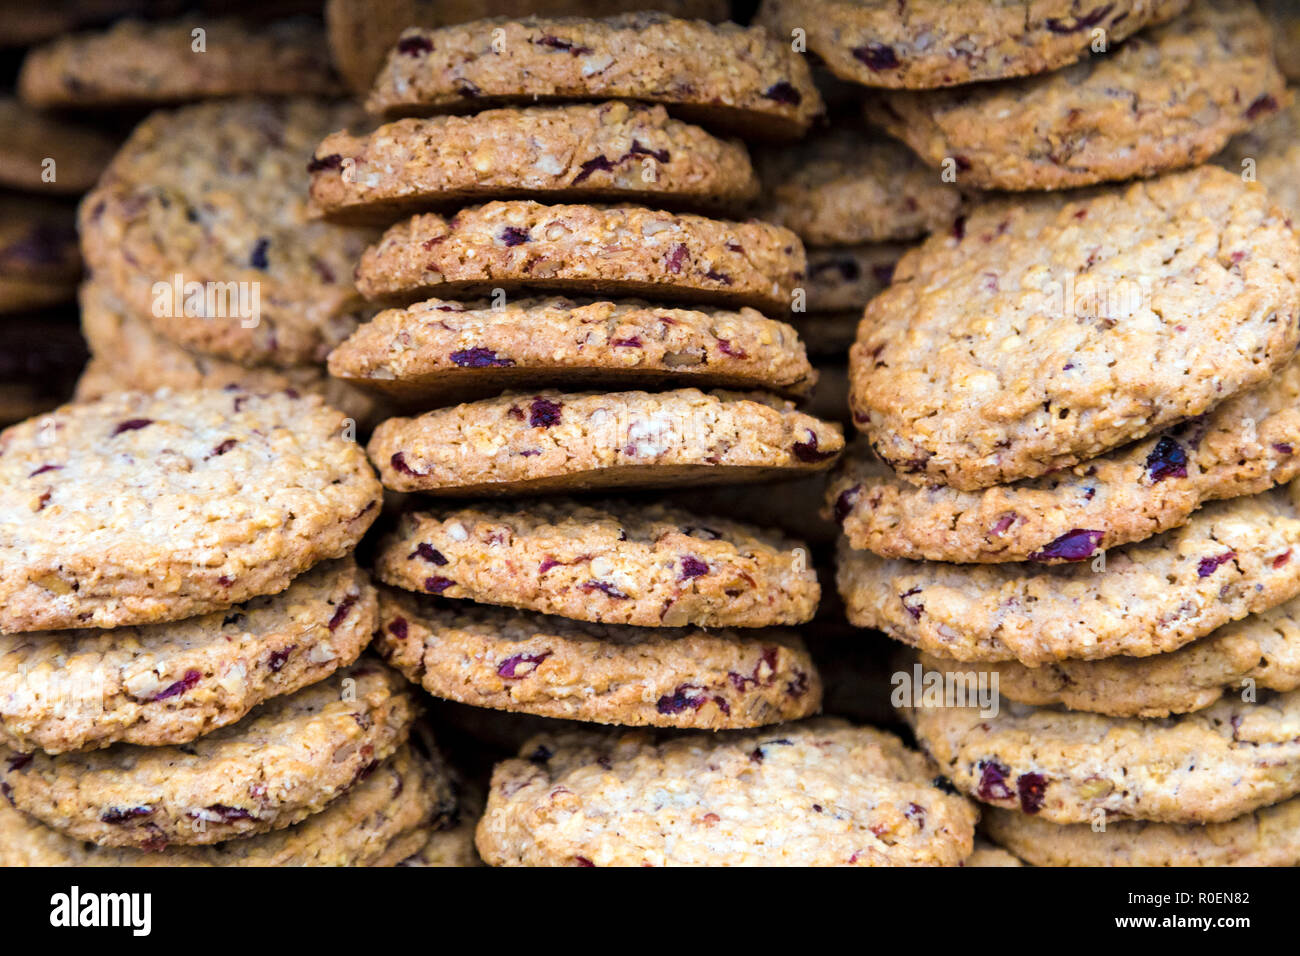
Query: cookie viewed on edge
x,y
1270,153
216,194
1169,98
1070,767
1008,347
170,683
28,139
1242,447
608,674
556,441
585,250
738,79
929,43
440,352
837,794
39,260
282,763
148,507
611,152
615,562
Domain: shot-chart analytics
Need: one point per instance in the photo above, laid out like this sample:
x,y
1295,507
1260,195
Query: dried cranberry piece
x,y
258,258
429,553
414,45
1078,544
807,451
398,628
1282,448
508,667
437,584
224,447
913,609
639,150
1057,25
398,461
179,687
686,695
229,814
514,236
692,567
845,503
993,781
717,276
541,754
877,57
18,761
543,413
916,813
1032,788
1167,460
783,92
555,43
605,588
959,228
1208,566
1262,105
131,425
44,468
583,861
725,346
883,273
124,814
277,659
676,256
480,358
1004,522
318,163
633,343
341,612
589,167
1282,558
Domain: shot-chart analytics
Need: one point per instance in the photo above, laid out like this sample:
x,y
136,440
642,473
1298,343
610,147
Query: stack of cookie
x,y
182,629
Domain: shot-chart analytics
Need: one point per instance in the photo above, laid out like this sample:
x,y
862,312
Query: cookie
x,y
1241,447
585,250
1266,837
452,845
1169,98
440,352
1044,332
386,818
39,261
846,278
849,186
284,762
130,356
1232,558
1071,767
148,507
1284,22
172,683
140,63
1270,155
637,563
39,153
40,356
986,854
930,43
558,441
361,32
737,79
606,152
601,673
212,199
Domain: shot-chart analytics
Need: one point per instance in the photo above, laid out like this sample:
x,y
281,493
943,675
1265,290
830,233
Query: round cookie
x,y
284,762
171,683
848,187
1270,155
216,194
453,844
1069,767
585,250
29,140
441,352
607,674
846,278
605,152
386,818
634,563
928,43
1241,447
39,261
1044,332
1267,837
738,79
837,794
139,63
147,507
557,441
1232,558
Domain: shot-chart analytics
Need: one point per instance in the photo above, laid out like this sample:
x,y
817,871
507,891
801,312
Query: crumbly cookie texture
x,y
818,793
129,355
848,186
29,138
1071,767
1266,837
1270,152
1169,98
613,562
39,260
923,44
586,250
440,352
362,32
172,683
1231,559
284,762
740,79
558,441
602,673
1010,346
986,854
148,507
386,818
1260,652
846,278
216,194
611,152
137,63
1241,447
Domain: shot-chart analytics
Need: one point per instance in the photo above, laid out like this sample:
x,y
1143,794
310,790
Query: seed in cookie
x,y
738,79
440,352
1168,98
613,562
148,507
585,250
609,674
610,152
1045,332
41,153
560,441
